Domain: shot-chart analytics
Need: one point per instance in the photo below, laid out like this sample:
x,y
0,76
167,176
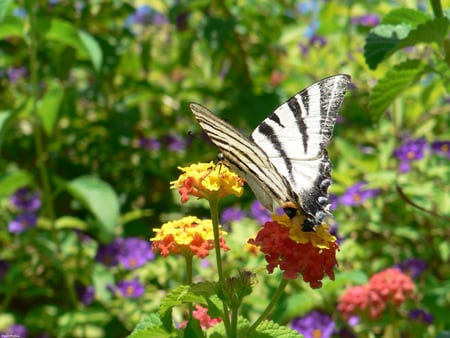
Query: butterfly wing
x,y
245,157
294,138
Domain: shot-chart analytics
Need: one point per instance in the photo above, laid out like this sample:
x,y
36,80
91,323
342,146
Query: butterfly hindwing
x,y
294,138
284,161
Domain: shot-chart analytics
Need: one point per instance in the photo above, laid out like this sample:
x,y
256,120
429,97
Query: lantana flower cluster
x,y
187,236
204,180
390,287
310,254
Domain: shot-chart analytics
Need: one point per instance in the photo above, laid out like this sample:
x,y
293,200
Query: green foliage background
x,y
96,85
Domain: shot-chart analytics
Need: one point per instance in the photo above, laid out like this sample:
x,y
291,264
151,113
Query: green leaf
x,y
100,199
63,32
434,30
4,116
93,48
394,82
10,183
382,40
149,326
408,16
48,108
265,330
389,36
11,26
4,4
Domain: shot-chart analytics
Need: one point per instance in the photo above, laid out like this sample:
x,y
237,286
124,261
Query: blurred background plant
x,y
94,121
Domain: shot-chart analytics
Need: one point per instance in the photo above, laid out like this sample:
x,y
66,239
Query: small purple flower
x,y
131,252
131,288
22,222
4,267
134,252
145,16
26,200
16,73
413,267
369,20
108,253
334,200
314,324
441,148
334,228
15,330
411,150
149,143
315,41
85,293
420,315
261,214
175,143
356,195
231,215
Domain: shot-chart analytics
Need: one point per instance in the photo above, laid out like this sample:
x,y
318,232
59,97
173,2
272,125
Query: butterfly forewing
x,y
244,157
284,161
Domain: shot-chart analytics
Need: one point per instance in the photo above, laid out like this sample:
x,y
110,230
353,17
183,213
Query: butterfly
x,y
284,160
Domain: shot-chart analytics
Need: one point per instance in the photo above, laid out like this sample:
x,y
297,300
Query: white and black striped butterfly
x,y
284,161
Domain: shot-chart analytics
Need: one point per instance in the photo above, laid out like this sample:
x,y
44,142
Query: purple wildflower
x,y
334,200
145,16
369,20
108,253
131,288
261,214
131,252
413,267
315,41
134,252
175,143
26,200
420,315
356,195
231,214
4,267
15,330
149,143
441,148
16,73
22,222
314,324
85,293
411,150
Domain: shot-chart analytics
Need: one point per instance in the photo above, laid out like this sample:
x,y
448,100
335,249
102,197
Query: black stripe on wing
x,y
243,155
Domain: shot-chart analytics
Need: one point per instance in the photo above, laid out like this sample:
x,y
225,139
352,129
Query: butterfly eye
x,y
220,157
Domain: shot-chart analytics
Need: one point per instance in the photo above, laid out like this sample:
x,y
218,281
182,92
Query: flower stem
x,y
189,278
41,153
214,209
269,307
438,13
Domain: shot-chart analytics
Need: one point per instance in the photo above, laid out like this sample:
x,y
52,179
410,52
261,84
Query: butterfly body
x,y
284,161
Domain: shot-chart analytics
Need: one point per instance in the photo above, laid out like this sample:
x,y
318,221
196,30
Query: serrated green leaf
x,y
48,108
382,40
393,33
409,16
177,296
394,82
100,199
434,30
93,48
149,326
